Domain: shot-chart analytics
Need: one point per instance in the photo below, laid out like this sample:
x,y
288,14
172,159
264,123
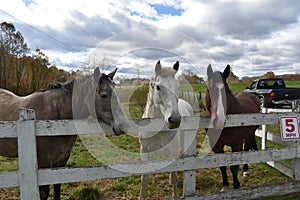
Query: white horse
x,y
163,102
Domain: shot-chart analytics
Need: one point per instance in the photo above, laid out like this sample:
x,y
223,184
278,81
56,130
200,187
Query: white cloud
x,y
252,36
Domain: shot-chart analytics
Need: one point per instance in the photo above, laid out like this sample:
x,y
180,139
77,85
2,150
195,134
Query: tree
x,y
190,77
232,76
7,31
269,74
39,68
93,62
21,49
23,73
12,49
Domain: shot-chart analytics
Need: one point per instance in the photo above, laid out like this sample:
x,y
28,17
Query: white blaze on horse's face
x,y
218,107
221,108
165,94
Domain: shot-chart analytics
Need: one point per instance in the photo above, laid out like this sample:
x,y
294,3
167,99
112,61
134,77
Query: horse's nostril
x,y
174,122
219,124
170,119
215,121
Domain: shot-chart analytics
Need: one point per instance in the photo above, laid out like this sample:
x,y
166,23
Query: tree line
x,y
22,71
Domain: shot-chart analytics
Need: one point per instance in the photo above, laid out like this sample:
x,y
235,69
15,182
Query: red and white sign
x,y
289,127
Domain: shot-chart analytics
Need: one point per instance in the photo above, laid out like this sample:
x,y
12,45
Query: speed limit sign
x,y
289,127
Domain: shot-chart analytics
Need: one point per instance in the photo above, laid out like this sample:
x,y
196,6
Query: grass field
x,y
208,180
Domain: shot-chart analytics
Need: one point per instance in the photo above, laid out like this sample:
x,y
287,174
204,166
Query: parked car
x,y
273,93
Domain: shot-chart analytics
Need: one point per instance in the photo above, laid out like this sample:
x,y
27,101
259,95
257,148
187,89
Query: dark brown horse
x,y
77,99
219,102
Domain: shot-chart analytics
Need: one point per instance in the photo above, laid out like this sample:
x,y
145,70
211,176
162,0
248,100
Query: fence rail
x,y
74,127
28,177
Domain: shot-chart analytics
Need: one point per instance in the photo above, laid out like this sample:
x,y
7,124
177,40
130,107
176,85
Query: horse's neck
x,y
151,110
82,101
51,104
233,105
185,109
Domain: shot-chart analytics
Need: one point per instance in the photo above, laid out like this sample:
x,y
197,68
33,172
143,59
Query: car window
x,y
270,84
252,86
280,82
262,84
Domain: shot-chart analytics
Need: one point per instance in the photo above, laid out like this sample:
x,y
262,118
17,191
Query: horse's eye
x,y
157,87
103,96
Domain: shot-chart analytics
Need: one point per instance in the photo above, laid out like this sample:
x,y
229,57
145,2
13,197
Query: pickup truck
x,y
273,93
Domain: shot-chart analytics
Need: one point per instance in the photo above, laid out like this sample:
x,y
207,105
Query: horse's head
x,y
107,104
216,102
164,91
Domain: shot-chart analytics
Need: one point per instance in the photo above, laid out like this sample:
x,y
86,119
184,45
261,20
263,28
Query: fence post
x,y
264,131
27,153
189,177
296,163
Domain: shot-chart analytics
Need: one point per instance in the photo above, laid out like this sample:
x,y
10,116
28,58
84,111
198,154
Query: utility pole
x,y
138,80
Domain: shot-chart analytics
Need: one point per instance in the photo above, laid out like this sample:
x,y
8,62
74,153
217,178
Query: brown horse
x,y
77,99
219,102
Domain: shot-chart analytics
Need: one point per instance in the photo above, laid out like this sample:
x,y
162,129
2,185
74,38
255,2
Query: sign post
x,y
289,127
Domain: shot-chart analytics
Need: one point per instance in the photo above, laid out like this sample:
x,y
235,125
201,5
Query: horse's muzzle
x,y
120,129
219,124
174,121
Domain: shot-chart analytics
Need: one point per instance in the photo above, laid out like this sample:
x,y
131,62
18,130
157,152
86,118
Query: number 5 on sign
x,y
289,127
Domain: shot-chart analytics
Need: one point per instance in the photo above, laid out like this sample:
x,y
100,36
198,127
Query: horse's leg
x,y
225,179
251,146
245,170
254,145
144,178
219,148
245,166
234,170
44,192
57,191
174,182
57,187
144,183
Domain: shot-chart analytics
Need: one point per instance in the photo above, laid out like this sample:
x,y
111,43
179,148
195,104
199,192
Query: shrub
x,y
138,101
86,193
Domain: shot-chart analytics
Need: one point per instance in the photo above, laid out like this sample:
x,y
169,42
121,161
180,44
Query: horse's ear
x,y
158,67
112,74
209,71
226,72
176,66
96,74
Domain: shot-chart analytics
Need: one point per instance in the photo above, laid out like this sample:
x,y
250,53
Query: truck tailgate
x,y
286,94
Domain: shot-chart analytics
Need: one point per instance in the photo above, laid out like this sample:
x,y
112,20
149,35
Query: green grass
x,y
293,84
208,180
107,149
86,193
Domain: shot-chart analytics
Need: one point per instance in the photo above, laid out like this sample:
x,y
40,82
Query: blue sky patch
x,y
136,13
167,10
27,2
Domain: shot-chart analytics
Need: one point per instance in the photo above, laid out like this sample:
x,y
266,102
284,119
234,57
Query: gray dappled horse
x,y
163,102
219,102
77,99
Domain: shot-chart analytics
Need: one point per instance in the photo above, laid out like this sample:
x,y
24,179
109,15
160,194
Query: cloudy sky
x,y
253,36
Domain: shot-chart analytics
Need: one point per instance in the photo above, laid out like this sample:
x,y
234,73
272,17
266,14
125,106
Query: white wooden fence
x,y
28,177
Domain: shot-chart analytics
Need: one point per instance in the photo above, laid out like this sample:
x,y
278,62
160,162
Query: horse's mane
x,y
67,86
